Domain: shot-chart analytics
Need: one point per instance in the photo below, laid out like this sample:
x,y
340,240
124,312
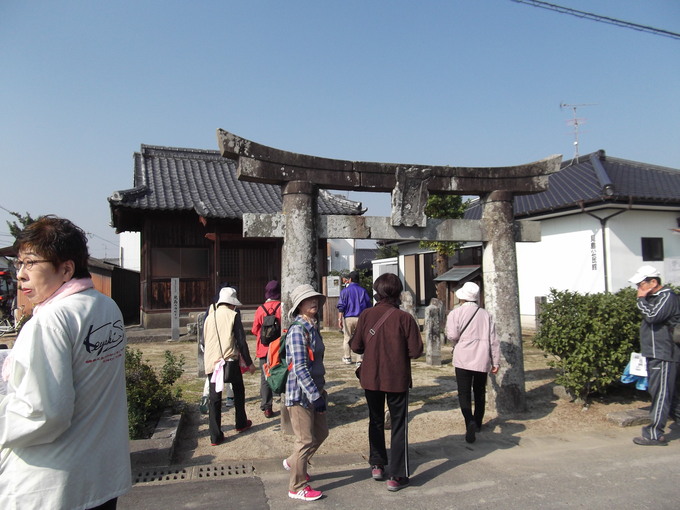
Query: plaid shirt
x,y
306,379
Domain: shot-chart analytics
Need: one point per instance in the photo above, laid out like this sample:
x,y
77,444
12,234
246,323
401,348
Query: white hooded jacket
x,y
63,423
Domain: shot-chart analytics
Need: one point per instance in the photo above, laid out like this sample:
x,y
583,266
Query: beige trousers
x,y
349,326
311,430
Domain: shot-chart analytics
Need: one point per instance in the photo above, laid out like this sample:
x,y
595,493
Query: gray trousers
x,y
266,395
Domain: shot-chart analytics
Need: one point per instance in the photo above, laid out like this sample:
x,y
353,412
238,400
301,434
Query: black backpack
x,y
271,326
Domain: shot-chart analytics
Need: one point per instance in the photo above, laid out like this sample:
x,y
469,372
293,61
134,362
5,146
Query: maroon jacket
x,y
387,355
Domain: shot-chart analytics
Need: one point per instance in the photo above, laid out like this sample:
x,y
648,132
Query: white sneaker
x,y
347,361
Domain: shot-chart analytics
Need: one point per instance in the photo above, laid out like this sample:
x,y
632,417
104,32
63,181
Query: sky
x,y
83,84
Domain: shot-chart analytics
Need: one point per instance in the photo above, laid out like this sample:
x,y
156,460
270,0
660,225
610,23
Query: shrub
x,y
591,337
147,394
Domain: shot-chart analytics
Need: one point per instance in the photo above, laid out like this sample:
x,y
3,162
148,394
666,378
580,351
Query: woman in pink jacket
x,y
476,353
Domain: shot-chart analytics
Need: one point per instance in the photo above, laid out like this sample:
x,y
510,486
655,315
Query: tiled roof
x,y
597,179
175,179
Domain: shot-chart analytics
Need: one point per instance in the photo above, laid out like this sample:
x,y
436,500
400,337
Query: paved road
x,y
604,471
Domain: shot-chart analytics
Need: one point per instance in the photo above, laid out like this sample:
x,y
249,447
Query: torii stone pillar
x,y
501,295
300,240
301,176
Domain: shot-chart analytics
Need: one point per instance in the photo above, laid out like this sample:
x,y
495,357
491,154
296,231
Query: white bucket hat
x,y
468,292
228,296
302,292
643,273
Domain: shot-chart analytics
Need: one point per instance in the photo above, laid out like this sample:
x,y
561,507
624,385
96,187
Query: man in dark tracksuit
x,y
659,307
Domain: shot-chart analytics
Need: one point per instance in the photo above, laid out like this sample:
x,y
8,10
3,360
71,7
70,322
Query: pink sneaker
x,y
378,472
306,494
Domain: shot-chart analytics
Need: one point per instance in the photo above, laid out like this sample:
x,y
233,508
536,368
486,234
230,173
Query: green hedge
x,y
147,393
590,337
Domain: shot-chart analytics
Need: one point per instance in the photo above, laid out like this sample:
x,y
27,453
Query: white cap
x,y
643,273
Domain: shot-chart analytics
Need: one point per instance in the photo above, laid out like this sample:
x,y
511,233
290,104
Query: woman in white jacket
x,y
476,353
63,422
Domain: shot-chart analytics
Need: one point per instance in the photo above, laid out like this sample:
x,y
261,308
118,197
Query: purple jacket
x,y
353,300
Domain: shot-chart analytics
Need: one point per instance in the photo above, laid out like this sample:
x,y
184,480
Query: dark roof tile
x,y
585,180
167,178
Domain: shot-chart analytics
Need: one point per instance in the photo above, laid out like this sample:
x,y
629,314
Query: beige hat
x,y
468,292
302,292
643,273
228,296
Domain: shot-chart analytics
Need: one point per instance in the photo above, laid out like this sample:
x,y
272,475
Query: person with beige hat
x,y
476,352
225,343
305,398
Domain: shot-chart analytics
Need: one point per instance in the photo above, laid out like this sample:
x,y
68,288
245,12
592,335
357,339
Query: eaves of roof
x,y
597,179
459,274
177,179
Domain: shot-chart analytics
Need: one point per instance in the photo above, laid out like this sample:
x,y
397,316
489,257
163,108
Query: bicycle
x,y
6,327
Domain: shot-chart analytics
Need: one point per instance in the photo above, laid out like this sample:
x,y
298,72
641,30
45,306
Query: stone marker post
x,y
433,329
200,321
407,304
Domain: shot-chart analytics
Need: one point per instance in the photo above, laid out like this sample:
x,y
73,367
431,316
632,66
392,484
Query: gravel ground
x,y
433,408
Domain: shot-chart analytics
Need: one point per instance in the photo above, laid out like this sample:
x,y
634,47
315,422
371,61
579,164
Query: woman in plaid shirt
x,y
305,395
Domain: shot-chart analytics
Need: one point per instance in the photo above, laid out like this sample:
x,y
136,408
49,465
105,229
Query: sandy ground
x,y
433,409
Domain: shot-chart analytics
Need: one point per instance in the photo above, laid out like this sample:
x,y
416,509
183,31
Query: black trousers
x,y
109,505
215,405
397,403
266,395
470,382
662,383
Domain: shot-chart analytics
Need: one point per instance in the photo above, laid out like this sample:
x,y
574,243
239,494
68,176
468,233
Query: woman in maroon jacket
x,y
388,338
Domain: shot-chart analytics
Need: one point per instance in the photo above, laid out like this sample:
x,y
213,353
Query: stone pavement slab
x,y
574,470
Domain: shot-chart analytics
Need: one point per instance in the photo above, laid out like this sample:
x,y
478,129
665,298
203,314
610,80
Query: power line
x,y
601,19
101,238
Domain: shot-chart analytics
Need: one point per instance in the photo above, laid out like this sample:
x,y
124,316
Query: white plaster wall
x,y
341,254
130,250
563,259
628,229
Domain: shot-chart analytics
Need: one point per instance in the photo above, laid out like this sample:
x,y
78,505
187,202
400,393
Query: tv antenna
x,y
575,122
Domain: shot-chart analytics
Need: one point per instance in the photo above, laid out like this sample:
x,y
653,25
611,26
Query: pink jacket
x,y
478,349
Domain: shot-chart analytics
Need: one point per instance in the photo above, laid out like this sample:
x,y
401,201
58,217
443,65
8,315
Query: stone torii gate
x,y
301,176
